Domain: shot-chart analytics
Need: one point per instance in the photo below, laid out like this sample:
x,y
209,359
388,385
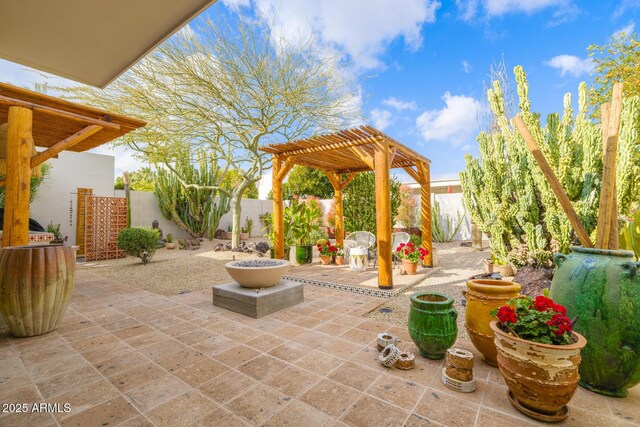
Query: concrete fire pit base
x,y
258,303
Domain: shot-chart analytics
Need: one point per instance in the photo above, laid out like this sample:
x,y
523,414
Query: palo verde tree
x,y
226,90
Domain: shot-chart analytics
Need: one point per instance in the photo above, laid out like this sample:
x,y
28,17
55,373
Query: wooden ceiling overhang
x,y
346,151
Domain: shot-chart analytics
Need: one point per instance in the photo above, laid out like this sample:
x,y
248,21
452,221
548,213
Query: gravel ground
x,y
172,272
455,264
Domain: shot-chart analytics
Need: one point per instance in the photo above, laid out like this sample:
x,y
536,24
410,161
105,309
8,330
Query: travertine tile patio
x,y
132,358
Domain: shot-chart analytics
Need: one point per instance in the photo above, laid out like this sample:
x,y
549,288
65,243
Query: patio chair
x,y
358,238
396,239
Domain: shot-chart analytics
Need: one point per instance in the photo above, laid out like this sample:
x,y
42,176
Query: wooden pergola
x,y
35,119
341,156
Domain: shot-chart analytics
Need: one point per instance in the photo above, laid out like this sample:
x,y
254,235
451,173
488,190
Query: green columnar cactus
x,y
507,194
191,203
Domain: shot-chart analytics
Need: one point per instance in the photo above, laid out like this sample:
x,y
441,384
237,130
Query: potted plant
x,y
410,255
326,250
229,233
340,255
288,235
170,243
538,355
55,230
305,222
244,233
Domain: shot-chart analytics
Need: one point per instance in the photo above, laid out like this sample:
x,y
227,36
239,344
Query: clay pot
x,y
325,259
171,245
432,323
339,260
244,236
262,273
409,268
504,270
542,377
602,288
482,297
36,283
228,235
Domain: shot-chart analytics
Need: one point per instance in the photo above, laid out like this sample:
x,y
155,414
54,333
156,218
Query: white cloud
x,y
399,104
624,6
454,123
362,29
236,4
381,119
469,9
571,64
21,75
627,29
466,67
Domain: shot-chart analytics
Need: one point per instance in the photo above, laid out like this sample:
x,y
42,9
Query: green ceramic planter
x,y
432,323
304,254
602,288
286,253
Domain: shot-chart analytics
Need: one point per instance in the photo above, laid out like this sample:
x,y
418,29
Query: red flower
x,y
562,322
410,244
559,308
507,314
543,303
399,248
406,251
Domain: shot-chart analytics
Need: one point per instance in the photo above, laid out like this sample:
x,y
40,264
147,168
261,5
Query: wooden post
x,y
278,209
424,171
383,209
18,186
339,217
81,219
614,238
555,185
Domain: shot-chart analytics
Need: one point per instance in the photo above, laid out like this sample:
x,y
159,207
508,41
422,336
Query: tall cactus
x,y
191,203
507,194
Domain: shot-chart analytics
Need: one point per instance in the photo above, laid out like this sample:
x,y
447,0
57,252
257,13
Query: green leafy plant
x,y
630,234
416,240
169,238
248,225
444,227
55,230
540,320
305,220
139,242
359,202
35,184
410,252
288,233
229,227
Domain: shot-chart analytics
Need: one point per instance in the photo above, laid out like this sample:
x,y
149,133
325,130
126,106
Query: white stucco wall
x,y
69,172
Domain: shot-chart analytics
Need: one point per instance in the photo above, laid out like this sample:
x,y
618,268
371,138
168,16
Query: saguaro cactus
x,y
509,197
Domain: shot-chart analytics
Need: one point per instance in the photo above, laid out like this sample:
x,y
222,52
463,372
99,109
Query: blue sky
x,y
423,64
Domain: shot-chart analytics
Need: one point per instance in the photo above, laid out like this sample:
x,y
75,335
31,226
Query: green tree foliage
x,y
408,209
616,61
139,242
36,182
303,181
140,180
509,197
359,202
233,178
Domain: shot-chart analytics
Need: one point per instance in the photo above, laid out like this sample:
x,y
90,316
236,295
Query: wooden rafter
x,y
286,167
65,144
363,155
413,174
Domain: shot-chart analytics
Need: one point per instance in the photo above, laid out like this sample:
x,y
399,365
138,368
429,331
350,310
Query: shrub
x,y
416,240
138,242
359,202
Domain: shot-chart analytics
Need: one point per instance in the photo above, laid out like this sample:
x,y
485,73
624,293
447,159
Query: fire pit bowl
x,y
258,273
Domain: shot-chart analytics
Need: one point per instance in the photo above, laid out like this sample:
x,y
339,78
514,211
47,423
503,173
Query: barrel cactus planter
x,y
432,323
36,283
482,297
602,288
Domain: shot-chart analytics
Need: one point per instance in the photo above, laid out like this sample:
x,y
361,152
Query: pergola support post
x,y
18,180
338,185
425,212
278,209
383,209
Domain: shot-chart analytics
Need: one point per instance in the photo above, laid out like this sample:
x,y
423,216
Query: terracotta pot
x,y
602,288
542,377
410,268
504,270
244,236
432,323
171,245
483,296
339,260
262,273
228,235
325,259
36,283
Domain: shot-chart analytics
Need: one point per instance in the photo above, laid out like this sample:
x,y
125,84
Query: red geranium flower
x,y
542,303
507,314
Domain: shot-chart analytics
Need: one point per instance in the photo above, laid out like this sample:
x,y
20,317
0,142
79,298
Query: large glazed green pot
x,y
432,323
304,254
602,288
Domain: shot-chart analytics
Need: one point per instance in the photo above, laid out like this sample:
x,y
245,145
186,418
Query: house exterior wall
x,y
57,193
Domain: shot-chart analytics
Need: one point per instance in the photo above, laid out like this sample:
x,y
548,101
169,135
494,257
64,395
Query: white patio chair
x,y
359,238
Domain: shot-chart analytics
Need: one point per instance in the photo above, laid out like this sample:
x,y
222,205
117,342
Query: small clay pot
x,y
406,361
389,356
384,339
171,245
409,268
339,260
459,364
325,259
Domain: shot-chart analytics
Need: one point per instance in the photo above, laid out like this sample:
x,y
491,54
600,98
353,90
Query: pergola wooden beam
x,y
66,143
383,211
424,173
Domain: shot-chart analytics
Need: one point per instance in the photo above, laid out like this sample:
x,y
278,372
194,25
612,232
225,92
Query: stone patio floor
x,y
132,358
